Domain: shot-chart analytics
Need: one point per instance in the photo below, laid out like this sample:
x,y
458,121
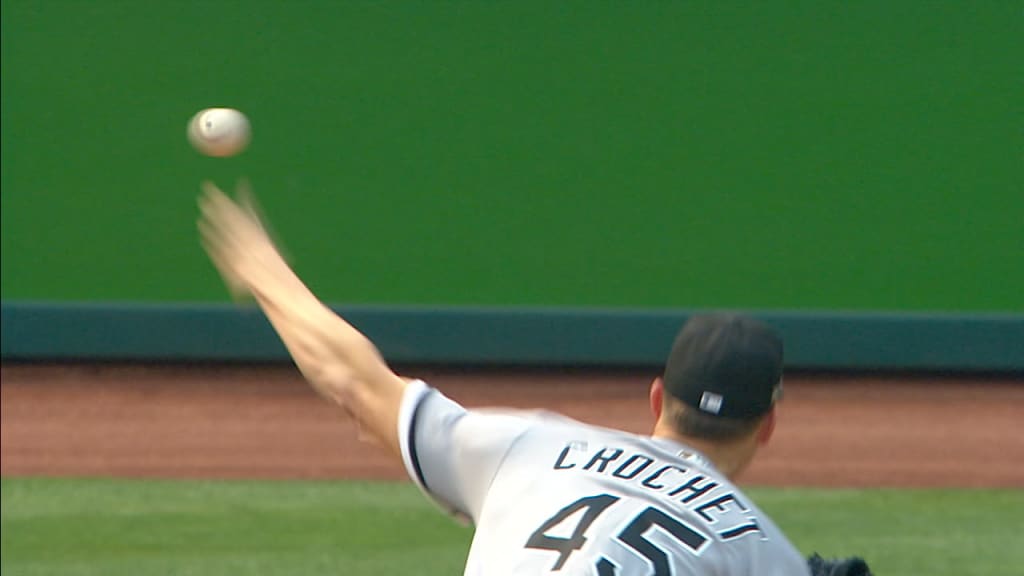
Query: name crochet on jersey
x,y
671,480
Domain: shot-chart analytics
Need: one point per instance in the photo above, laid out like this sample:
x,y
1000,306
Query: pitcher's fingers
x,y
228,224
214,239
214,244
249,205
218,206
210,189
246,200
219,209
226,267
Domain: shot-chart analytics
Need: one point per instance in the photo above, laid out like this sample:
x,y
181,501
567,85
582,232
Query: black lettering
x,y
695,489
620,472
633,536
604,460
740,530
649,481
593,506
719,504
561,459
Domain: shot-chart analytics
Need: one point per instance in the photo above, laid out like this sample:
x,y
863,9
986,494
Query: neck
x,y
730,458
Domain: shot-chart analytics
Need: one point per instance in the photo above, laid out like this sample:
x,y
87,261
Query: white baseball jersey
x,y
550,495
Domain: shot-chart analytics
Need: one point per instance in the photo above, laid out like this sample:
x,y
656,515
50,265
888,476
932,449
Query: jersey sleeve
x,y
452,453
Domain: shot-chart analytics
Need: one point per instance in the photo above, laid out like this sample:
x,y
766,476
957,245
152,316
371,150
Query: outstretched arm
x,y
337,360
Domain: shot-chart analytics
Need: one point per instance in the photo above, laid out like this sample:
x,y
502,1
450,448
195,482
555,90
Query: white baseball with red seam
x,y
219,131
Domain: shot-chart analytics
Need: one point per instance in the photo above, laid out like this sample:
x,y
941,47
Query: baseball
x,y
219,131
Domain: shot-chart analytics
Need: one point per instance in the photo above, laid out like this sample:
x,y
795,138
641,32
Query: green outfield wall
x,y
859,160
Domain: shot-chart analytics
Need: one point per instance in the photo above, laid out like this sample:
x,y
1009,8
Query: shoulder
x,y
453,453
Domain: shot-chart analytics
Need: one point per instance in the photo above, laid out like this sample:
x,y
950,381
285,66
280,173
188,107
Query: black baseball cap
x,y
727,365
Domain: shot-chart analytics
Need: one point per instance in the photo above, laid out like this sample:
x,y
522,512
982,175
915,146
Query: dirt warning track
x,y
264,422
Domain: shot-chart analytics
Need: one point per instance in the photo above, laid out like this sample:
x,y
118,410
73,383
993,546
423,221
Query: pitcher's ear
x,y
767,427
657,397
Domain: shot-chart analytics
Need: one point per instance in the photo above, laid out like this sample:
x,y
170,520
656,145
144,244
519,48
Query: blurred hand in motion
x,y
335,358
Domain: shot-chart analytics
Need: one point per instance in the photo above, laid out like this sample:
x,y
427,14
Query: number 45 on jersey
x,y
632,535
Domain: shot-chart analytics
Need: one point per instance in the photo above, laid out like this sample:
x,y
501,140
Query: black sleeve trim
x,y
413,455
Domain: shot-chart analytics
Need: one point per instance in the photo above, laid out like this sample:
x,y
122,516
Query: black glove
x,y
852,566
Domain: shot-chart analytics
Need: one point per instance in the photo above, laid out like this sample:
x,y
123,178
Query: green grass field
x,y
111,527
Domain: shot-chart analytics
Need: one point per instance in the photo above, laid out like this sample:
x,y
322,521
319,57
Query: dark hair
x,y
693,423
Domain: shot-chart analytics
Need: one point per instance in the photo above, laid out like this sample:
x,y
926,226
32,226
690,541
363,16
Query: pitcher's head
x,y
722,376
